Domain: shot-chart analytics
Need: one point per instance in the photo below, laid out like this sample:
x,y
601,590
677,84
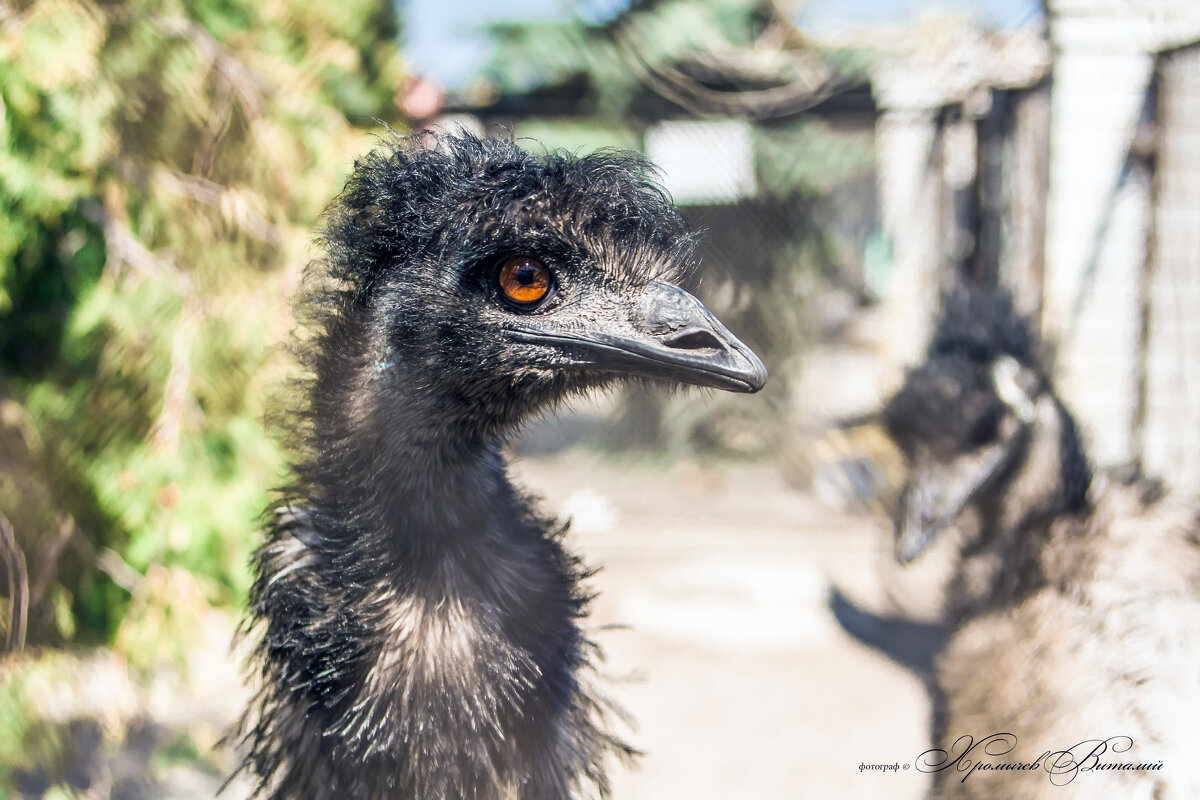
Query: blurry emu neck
x,y
1036,493
1019,516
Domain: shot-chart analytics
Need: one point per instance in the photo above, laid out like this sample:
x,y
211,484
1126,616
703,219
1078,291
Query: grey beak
x,y
921,516
936,494
668,335
677,338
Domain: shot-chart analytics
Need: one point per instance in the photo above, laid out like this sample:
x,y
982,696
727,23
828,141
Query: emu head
x,y
980,426
498,281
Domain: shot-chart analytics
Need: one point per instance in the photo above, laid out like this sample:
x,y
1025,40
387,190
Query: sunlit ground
x,y
741,681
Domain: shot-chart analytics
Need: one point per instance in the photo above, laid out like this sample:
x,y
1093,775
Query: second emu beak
x,y
666,333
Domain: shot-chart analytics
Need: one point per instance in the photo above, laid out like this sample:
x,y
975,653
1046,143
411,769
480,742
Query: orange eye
x,y
524,281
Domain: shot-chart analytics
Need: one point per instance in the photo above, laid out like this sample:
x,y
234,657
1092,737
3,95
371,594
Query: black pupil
x,y
526,275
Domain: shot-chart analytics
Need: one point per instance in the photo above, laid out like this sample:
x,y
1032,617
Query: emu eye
x,y
525,282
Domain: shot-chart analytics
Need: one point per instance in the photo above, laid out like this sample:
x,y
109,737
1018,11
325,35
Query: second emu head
x,y
980,426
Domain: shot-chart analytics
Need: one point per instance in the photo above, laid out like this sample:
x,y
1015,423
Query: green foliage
x,y
68,718
575,135
161,167
613,58
529,56
808,157
25,739
14,728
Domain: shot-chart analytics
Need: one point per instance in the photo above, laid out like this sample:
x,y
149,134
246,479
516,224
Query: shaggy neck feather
x,y
1019,516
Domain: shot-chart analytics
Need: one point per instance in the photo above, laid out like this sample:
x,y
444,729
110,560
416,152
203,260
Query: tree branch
x,y
675,85
124,248
18,586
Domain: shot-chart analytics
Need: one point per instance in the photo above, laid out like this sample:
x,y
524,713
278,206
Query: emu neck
x,y
1036,492
422,618
1018,519
406,471
464,603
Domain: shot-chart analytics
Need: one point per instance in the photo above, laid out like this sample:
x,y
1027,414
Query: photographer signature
x,y
1062,766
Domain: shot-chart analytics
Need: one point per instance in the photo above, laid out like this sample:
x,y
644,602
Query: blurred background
x,y
163,165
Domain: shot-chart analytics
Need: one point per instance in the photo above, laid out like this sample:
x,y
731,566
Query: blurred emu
x,y
1072,669
420,617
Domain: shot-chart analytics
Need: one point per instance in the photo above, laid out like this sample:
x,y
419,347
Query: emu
x,y
1074,606
420,616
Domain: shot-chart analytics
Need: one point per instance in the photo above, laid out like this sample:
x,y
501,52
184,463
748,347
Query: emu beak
x,y
936,494
922,514
666,334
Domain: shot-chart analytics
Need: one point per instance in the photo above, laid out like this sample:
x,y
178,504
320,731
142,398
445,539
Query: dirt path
x,y
745,685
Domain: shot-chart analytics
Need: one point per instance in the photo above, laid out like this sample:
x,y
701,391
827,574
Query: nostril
x,y
692,339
